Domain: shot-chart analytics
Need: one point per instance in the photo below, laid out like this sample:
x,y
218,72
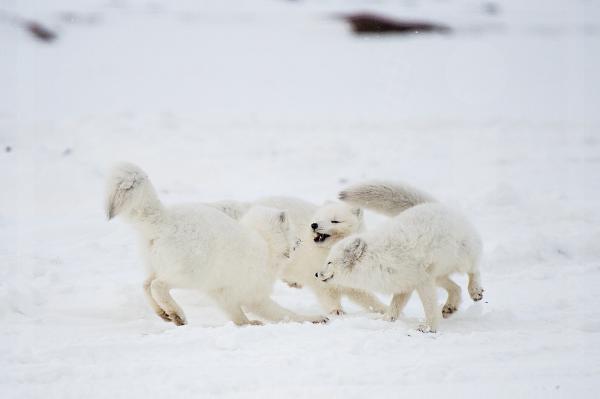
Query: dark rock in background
x,y
365,23
39,31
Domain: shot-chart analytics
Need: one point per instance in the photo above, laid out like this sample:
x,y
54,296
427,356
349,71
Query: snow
x,y
224,100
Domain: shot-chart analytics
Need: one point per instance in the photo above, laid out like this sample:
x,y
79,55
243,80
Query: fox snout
x,y
324,277
314,226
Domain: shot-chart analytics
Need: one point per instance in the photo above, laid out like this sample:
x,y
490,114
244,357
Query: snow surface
x,y
243,99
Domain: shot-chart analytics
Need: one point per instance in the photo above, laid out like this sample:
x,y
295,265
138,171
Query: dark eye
x,y
335,221
329,263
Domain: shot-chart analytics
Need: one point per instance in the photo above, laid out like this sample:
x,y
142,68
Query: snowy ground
x,y
240,100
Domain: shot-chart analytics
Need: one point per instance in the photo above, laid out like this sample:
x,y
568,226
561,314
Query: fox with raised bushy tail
x,y
391,199
417,249
199,247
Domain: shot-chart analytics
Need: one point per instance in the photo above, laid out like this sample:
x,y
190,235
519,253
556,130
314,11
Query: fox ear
x,y
354,251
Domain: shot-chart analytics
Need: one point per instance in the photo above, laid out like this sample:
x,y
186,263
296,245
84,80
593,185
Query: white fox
x,y
416,249
317,228
198,247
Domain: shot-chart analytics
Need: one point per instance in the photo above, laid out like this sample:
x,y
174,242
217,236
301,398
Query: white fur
x,y
415,250
273,226
384,197
310,255
393,198
198,247
233,209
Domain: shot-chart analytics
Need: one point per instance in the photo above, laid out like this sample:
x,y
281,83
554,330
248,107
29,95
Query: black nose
x,y
314,226
317,275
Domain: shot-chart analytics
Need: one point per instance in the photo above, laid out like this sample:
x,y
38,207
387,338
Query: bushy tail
x,y
128,188
384,197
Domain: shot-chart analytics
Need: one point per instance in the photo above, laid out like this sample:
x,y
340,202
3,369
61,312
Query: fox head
x,y
334,221
274,227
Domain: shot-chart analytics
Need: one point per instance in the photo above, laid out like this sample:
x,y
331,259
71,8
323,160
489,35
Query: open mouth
x,y
320,237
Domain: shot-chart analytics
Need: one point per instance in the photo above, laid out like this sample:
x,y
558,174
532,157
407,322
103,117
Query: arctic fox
x,y
391,199
416,249
198,247
317,229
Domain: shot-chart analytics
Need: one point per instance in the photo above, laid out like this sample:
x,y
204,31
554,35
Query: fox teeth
x,y
320,237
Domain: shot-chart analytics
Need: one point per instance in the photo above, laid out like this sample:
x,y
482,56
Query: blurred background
x,y
492,106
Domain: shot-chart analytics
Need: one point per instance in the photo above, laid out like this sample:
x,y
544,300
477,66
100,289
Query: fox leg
x,y
427,293
153,304
330,299
397,305
272,311
475,290
453,300
366,300
160,293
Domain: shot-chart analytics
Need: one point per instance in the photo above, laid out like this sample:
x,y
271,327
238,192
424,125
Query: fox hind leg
x,y
153,304
453,300
397,305
366,300
272,311
159,291
427,293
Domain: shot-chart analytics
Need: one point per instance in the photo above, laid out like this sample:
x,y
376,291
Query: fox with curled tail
x,y
199,247
418,248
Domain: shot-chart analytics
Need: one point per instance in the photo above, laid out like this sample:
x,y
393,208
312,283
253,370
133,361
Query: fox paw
x,y
177,319
476,293
319,320
424,328
390,317
337,312
163,315
447,310
255,323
